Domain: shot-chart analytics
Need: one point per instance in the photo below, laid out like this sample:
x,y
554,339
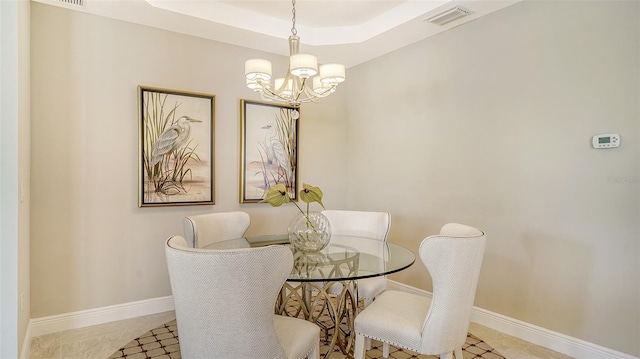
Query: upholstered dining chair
x,y
437,325
373,225
204,229
224,303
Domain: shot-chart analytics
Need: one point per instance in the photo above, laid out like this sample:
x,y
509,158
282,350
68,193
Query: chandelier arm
x,y
301,89
324,93
304,94
285,84
309,93
273,95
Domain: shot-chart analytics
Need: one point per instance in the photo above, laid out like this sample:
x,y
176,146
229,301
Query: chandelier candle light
x,y
300,84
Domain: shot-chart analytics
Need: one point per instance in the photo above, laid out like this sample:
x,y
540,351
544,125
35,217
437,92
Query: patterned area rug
x,y
162,343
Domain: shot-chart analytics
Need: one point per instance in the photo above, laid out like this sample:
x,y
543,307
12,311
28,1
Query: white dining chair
x,y
205,229
437,325
224,303
372,225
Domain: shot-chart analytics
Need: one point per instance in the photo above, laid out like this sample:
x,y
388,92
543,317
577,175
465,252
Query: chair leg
x,y
458,353
366,302
359,349
385,350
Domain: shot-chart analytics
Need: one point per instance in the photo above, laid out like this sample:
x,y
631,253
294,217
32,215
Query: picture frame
x,y
268,149
176,147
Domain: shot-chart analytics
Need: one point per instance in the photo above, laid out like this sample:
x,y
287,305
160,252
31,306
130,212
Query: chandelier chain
x,y
294,31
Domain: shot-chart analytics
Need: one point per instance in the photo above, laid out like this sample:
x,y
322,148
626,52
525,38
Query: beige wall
x,y
487,124
490,124
91,245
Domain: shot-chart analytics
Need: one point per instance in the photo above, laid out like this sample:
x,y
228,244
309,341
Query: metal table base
x,y
315,300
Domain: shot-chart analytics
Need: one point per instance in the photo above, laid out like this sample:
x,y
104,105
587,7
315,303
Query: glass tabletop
x,y
345,258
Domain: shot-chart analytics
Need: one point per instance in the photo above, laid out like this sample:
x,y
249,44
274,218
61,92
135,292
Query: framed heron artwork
x,y
269,149
176,156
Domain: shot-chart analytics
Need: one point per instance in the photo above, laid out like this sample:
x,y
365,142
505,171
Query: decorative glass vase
x,y
310,233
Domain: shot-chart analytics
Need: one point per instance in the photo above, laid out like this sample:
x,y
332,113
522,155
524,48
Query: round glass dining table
x,y
326,281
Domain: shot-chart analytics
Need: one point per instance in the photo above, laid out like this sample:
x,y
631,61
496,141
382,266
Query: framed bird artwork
x,y
176,159
268,149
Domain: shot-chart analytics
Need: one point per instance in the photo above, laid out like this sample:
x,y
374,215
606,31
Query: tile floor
x,y
100,341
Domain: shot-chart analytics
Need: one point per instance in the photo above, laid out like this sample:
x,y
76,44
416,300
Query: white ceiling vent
x,y
72,2
448,16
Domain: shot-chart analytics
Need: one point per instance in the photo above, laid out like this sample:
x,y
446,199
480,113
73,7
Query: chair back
x,y
224,299
205,229
374,225
453,260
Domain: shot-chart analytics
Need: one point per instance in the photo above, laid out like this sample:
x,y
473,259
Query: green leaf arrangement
x,y
277,196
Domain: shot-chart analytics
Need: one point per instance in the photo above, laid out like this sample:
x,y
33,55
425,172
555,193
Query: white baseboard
x,y
559,342
565,344
85,318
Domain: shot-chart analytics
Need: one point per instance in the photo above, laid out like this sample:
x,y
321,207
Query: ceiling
x,y
345,31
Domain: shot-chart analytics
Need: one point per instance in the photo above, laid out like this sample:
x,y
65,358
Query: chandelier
x,y
300,84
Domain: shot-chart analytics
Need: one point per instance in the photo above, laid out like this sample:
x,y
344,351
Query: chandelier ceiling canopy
x,y
304,81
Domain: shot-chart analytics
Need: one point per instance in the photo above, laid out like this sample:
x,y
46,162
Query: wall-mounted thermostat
x,y
606,141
